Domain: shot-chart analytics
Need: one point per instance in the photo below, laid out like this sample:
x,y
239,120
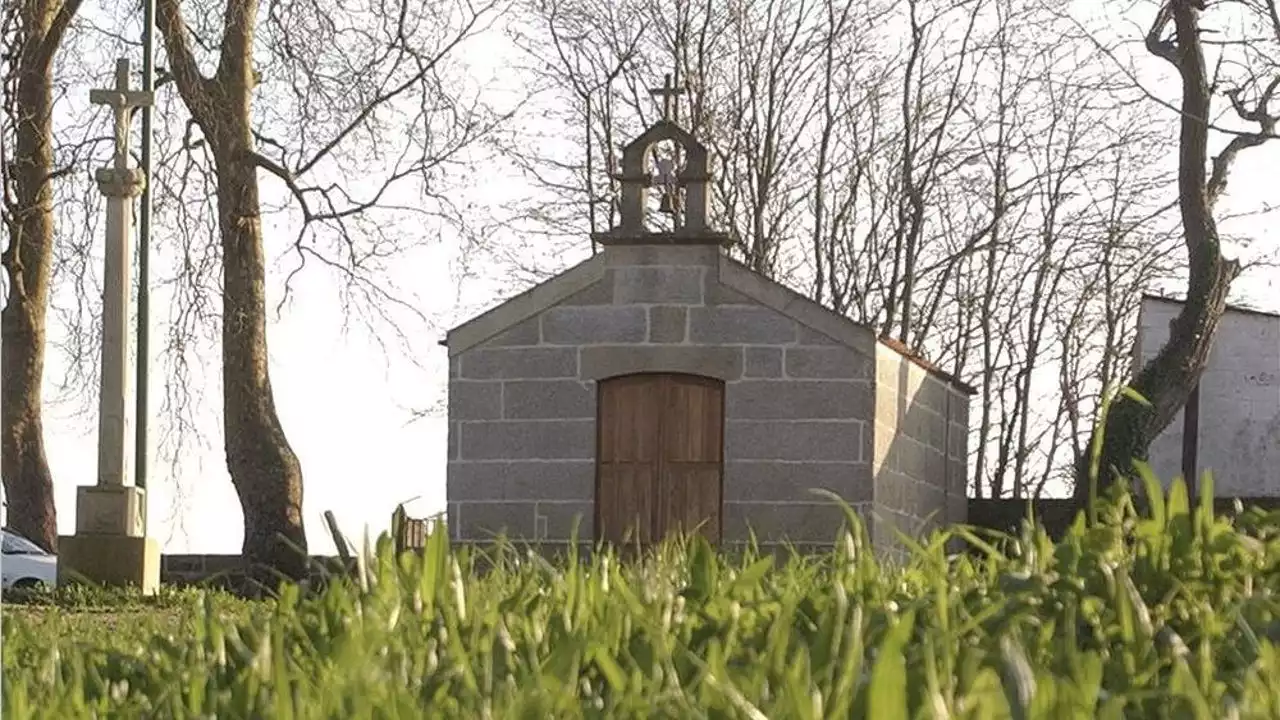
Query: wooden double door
x,y
660,457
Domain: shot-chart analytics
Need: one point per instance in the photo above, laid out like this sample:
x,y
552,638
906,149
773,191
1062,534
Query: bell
x,y
668,204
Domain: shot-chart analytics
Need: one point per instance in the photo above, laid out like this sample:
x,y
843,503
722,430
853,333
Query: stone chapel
x,y
662,386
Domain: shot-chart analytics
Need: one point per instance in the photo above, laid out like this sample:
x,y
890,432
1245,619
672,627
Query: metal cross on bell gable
x,y
667,176
681,177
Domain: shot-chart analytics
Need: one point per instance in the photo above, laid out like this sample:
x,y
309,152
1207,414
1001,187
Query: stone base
x,y
118,510
110,560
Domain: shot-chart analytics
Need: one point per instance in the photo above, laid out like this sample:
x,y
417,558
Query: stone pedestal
x,y
110,546
110,561
111,510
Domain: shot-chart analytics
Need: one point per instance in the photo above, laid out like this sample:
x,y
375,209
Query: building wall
x,y
1239,434
522,394
920,460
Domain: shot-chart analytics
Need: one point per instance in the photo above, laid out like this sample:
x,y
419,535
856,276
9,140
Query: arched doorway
x,y
660,457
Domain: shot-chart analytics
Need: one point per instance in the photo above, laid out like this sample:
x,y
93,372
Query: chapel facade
x,y
660,386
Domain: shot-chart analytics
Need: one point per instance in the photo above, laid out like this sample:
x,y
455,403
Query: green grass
x,y
82,618
1168,613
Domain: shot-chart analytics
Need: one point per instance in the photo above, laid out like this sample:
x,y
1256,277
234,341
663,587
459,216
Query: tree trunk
x,y
1168,379
28,484
263,467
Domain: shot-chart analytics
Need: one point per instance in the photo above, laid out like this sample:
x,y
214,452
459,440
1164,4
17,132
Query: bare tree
x,y
937,174
1168,379
32,34
360,93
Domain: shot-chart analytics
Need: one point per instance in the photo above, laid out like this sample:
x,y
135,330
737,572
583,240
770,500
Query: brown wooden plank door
x,y
660,457
627,459
690,474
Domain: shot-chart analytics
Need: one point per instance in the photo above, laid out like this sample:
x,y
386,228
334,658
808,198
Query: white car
x,y
24,564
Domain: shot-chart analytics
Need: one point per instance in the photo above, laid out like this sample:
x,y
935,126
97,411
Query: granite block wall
x,y
921,438
522,394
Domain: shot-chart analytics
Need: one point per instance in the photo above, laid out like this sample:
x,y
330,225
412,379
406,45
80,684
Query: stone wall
x,y
921,449
196,569
522,394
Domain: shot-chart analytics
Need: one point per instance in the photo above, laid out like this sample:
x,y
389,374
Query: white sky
x,y
343,404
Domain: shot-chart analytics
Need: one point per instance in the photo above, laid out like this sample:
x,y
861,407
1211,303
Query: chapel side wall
x,y
523,403
921,441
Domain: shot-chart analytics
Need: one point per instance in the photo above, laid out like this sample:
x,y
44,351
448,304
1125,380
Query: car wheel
x,y
28,584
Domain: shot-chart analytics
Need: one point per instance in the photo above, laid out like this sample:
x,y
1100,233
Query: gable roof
x,y
545,294
732,274
805,311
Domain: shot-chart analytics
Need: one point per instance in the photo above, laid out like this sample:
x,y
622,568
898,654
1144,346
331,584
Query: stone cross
x,y
668,92
110,546
121,184
122,101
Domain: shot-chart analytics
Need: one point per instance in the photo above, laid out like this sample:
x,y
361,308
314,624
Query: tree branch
x,y
193,86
